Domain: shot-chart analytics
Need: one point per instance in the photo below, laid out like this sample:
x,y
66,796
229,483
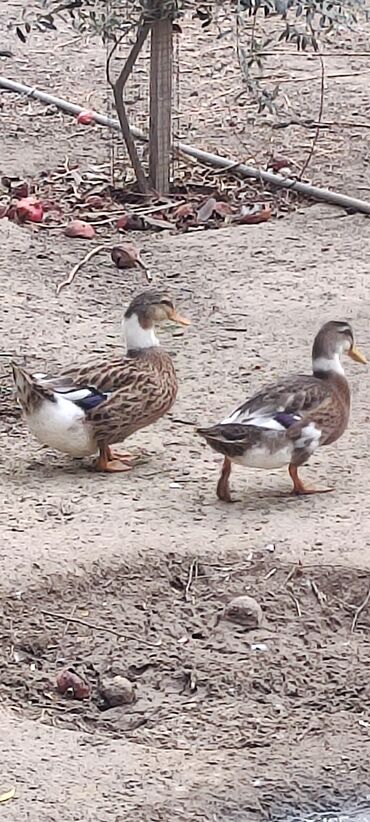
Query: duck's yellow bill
x,y
177,318
356,355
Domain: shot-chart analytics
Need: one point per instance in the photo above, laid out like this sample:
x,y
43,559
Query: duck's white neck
x,y
136,336
328,365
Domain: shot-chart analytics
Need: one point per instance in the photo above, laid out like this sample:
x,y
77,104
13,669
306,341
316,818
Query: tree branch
x,y
117,88
319,119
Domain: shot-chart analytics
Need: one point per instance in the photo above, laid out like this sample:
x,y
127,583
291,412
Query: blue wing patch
x,y
287,420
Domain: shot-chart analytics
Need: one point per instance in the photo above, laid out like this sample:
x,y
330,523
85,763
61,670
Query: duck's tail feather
x,y
30,393
230,439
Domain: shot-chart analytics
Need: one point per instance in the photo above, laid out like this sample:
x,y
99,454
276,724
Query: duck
x,y
84,409
284,423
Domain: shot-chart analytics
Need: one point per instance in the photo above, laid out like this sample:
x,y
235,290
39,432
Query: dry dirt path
x,y
230,732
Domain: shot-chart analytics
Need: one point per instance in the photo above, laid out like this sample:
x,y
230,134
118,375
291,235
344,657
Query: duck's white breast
x,y
61,425
259,456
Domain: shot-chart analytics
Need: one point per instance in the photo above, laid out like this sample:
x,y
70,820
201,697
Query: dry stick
x,y
359,611
319,119
68,618
88,256
309,124
322,194
79,265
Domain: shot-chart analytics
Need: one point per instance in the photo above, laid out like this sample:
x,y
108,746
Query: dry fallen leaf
x,y
278,162
223,209
78,228
95,201
130,222
4,797
20,191
69,681
184,211
29,208
126,256
157,222
250,215
86,117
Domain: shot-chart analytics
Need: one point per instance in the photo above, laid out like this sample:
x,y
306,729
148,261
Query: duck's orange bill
x,y
356,355
177,318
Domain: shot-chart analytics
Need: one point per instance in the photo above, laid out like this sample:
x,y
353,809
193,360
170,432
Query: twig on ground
x,y
79,265
68,618
193,574
319,119
296,603
359,611
320,596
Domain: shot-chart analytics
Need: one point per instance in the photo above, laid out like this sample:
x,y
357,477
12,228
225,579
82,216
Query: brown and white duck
x,y
285,423
85,408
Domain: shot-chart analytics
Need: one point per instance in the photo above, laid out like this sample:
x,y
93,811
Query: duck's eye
x,y
344,329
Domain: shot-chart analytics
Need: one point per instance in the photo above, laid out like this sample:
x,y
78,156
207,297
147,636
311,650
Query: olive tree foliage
x,y
260,25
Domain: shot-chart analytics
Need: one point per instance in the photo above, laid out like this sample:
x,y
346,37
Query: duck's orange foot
x,y
117,455
111,463
140,458
299,489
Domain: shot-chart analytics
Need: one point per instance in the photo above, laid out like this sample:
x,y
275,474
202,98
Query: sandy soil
x,y
228,724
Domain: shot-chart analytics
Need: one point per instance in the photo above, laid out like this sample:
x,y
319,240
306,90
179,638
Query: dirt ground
x,y
129,574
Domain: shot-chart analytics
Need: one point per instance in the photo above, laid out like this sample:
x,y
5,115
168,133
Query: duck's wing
x,y
288,407
90,385
118,397
279,405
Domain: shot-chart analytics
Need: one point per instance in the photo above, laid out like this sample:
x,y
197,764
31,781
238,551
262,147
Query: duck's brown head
x,y
148,308
334,339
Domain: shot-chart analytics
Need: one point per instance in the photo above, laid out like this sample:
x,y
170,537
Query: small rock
x,y
245,611
117,690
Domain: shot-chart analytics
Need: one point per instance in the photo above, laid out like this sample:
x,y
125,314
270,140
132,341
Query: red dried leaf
x,y
130,222
279,162
69,681
29,208
126,256
223,209
20,191
184,211
49,205
78,228
86,117
251,215
95,201
11,213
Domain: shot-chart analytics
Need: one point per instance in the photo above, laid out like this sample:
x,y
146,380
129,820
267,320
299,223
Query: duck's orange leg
x,y
299,489
223,486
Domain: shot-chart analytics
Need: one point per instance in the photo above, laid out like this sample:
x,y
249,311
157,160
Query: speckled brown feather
x,y
29,392
144,388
